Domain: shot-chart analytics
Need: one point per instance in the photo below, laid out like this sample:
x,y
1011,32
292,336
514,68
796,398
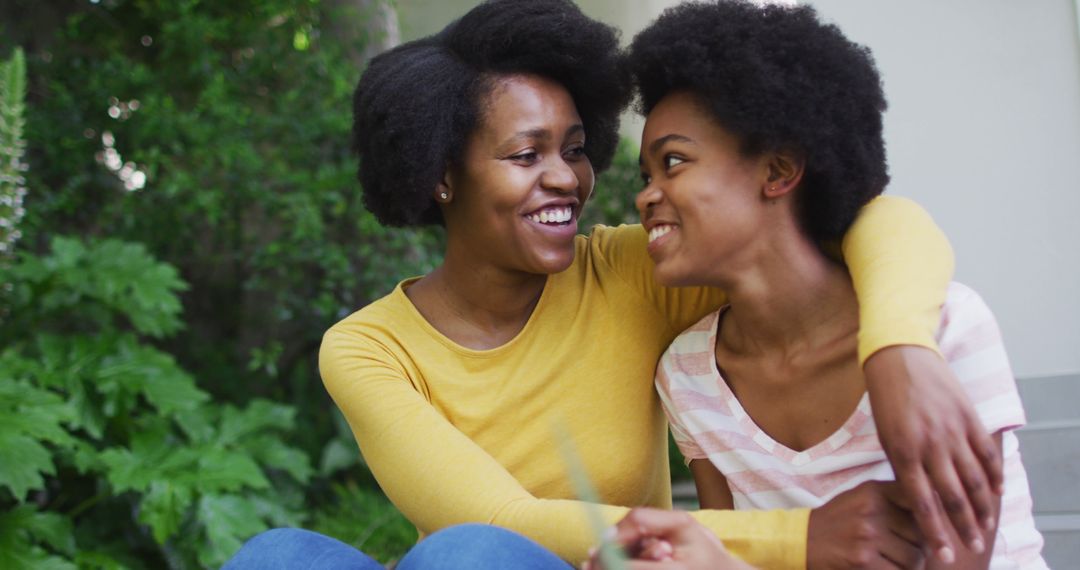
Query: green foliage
x,y
368,521
95,421
239,136
612,202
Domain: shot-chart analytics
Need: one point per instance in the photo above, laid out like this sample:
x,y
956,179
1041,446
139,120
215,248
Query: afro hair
x,y
779,79
417,104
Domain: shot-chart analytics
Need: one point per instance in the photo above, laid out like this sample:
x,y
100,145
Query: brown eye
x,y
671,161
529,156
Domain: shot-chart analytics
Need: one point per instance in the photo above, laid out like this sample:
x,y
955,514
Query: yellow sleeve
x,y
901,264
773,539
438,477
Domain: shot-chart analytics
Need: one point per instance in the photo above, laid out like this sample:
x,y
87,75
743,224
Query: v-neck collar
x,y
836,440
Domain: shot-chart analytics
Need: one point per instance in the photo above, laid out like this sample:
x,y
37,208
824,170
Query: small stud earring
x,y
444,195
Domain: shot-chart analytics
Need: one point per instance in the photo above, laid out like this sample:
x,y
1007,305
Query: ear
x,y
785,173
444,191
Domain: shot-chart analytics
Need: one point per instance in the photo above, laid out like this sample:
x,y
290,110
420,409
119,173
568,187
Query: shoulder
x,y
690,356
967,323
618,244
971,342
369,335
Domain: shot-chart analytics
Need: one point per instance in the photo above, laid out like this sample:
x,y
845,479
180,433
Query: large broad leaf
x,y
229,520
273,453
21,531
259,416
22,461
53,529
143,369
226,470
337,455
164,507
151,458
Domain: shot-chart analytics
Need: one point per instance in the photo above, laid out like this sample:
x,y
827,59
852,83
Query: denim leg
x,y
478,547
298,549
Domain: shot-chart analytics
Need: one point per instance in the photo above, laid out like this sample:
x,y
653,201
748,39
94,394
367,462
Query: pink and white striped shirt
x,y
708,422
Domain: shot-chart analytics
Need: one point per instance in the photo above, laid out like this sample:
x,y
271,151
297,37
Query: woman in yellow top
x,y
456,383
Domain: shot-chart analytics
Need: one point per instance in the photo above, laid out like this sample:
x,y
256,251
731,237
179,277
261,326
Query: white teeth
x,y
658,232
553,215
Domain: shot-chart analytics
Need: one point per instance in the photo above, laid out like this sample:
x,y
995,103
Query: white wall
x,y
983,130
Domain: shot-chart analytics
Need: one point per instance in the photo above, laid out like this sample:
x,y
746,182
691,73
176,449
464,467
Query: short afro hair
x,y
779,79
417,104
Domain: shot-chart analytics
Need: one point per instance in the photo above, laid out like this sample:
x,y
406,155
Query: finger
x,y
909,559
977,486
955,501
653,548
923,503
655,565
626,532
988,453
901,552
656,522
902,523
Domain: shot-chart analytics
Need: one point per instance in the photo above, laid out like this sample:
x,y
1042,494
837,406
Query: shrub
x,y
109,452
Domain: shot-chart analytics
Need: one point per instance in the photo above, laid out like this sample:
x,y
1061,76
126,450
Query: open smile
x,y
660,234
555,221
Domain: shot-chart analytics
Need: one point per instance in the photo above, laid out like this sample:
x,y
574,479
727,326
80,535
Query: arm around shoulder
x,y
901,264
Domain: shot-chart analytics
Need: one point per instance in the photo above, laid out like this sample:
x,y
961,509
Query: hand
x,y
863,527
668,540
936,443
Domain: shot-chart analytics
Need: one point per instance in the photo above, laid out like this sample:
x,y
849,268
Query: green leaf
x,y
154,374
150,459
98,561
337,455
21,529
272,452
227,470
22,461
163,508
229,520
259,416
53,529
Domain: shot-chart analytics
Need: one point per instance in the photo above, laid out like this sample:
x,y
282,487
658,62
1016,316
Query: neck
x,y
786,295
487,299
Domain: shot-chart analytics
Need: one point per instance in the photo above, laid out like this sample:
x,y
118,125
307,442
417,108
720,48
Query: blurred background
x,y
180,222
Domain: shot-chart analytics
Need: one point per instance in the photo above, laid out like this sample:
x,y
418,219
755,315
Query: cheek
x,y
586,178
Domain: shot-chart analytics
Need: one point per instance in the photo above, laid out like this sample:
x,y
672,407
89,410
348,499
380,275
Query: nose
x,y
560,177
648,197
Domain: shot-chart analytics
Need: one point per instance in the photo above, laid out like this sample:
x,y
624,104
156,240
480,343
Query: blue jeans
x,y
472,546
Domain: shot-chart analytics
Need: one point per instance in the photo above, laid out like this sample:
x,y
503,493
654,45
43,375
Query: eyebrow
x,y
656,144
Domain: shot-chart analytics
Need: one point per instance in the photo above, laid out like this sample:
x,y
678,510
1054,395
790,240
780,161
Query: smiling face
x,y
703,203
514,201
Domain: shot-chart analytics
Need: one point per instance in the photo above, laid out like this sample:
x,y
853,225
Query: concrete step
x,y
1050,448
1051,455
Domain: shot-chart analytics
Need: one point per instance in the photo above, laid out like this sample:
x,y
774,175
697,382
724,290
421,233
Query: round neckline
x,y
855,421
464,350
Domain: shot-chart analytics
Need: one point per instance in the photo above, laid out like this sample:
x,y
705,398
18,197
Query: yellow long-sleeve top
x,y
455,435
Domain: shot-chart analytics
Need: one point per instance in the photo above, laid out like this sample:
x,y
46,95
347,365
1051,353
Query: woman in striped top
x,y
763,138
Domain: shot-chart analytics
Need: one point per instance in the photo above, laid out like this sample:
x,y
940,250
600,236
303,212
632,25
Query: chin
x,y
548,265
667,276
